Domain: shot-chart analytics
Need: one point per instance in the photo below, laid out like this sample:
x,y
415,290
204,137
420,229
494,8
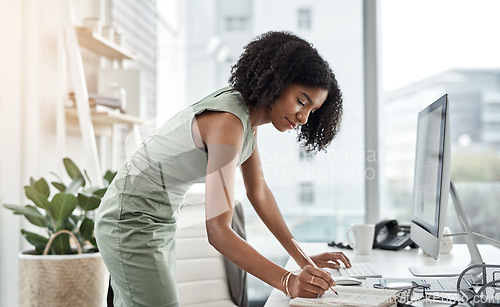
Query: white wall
x,y
171,60
200,29
28,95
11,14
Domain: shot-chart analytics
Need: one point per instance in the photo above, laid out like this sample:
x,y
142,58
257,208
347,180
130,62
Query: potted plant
x,y
56,273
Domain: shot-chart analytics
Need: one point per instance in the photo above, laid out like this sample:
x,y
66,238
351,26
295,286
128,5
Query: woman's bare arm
x,y
222,134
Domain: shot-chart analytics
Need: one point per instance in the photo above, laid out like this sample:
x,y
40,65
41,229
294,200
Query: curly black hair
x,y
273,61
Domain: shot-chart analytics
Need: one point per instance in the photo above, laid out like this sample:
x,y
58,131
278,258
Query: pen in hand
x,y
308,259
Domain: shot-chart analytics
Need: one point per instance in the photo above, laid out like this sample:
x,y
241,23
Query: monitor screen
x,y
431,188
428,168
432,177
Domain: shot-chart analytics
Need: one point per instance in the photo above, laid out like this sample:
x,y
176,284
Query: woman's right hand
x,y
310,282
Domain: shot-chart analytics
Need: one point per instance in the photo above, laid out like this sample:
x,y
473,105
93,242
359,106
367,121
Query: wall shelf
x,y
83,119
105,118
101,45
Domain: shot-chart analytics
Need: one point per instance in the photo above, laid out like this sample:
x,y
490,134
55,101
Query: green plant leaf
x,y
87,229
61,187
100,192
38,241
75,184
15,208
31,213
61,207
74,218
38,198
57,176
87,176
59,211
94,242
50,222
60,245
72,170
109,176
70,224
36,220
88,202
42,187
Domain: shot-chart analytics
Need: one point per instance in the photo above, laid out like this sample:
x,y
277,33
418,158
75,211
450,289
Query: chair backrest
x,y
201,274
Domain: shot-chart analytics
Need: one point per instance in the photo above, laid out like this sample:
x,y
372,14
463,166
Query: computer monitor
x,y
432,186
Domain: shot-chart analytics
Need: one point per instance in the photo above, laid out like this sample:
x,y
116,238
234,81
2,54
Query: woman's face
x,y
295,104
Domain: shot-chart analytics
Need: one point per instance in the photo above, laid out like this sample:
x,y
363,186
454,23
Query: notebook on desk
x,y
357,270
434,284
350,296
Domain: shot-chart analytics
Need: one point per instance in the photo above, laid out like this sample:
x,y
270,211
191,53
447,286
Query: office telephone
x,y
388,235
392,236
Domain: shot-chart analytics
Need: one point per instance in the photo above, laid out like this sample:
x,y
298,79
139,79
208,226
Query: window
x,y
306,193
333,198
304,19
305,156
494,108
236,23
441,64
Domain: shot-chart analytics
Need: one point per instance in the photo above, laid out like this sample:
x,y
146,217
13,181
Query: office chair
x,y
204,276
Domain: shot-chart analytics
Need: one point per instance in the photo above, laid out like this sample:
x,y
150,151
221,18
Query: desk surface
x,y
392,263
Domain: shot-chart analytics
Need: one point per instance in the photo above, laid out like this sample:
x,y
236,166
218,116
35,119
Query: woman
x,y
279,79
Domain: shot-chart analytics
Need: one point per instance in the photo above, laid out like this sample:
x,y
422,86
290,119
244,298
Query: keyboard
x,y
357,270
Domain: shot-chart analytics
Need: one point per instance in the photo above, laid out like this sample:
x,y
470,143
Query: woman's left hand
x,y
331,260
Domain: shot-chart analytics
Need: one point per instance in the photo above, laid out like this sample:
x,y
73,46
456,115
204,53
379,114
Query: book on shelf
x,y
100,100
350,296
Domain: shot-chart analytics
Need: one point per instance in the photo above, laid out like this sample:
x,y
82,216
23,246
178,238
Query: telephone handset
x,y
392,236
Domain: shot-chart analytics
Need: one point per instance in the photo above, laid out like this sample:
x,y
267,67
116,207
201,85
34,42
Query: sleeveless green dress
x,y
136,221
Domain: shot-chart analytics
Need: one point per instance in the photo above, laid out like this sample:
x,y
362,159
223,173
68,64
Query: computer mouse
x,y
347,281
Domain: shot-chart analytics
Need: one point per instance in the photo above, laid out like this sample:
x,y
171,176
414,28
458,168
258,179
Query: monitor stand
x,y
475,256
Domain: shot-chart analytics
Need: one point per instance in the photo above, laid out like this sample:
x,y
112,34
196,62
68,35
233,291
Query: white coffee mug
x,y
363,235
